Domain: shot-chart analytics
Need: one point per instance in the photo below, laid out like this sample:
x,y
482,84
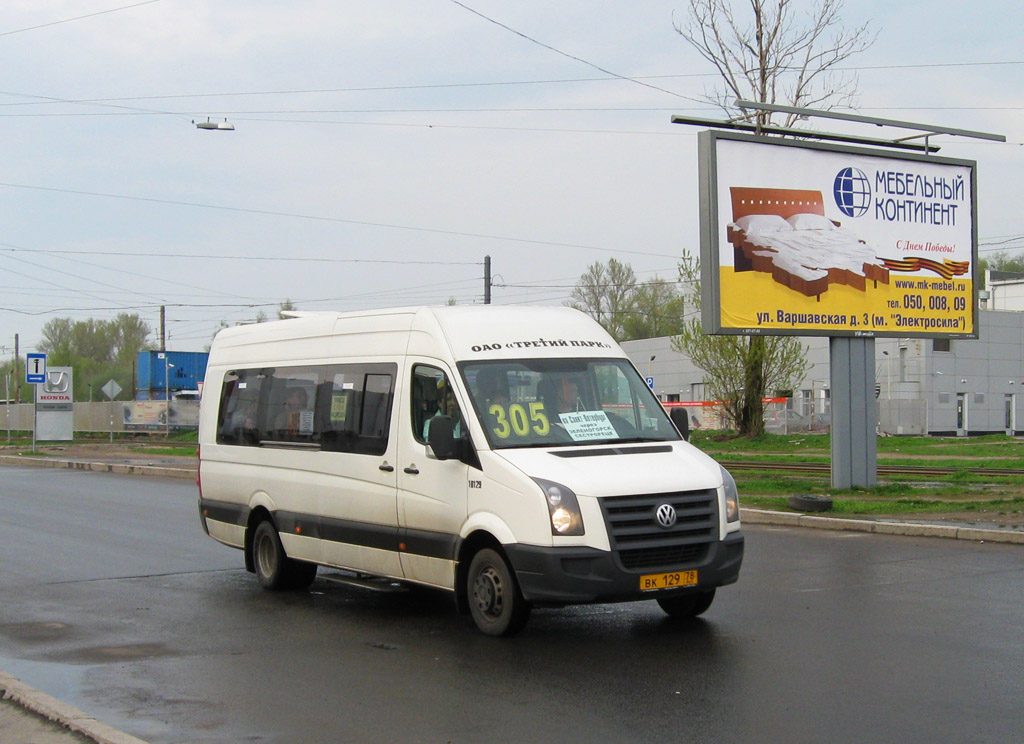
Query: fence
x,y
117,416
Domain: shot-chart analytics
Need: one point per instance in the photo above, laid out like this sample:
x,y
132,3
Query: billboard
x,y
814,239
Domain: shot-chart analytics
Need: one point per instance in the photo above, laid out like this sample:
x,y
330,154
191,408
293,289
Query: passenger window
x,y
341,408
239,407
357,404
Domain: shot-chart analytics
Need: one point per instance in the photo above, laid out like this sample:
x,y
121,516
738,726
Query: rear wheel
x,y
495,602
690,604
274,569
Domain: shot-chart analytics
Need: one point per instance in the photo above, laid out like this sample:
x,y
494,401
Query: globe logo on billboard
x,y
852,191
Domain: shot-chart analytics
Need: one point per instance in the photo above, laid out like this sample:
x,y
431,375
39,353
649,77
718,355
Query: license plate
x,y
650,582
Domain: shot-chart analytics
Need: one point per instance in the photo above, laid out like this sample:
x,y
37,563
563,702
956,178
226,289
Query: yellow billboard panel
x,y
813,239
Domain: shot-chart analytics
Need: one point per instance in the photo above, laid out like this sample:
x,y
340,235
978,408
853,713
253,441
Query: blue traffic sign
x,y
650,382
35,369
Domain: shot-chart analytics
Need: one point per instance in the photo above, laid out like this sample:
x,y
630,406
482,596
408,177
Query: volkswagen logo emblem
x,y
666,515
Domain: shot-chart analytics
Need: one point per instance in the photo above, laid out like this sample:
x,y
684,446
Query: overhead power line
x,y
77,18
5,247
573,57
321,218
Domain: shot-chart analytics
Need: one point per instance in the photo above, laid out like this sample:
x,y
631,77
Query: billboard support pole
x,y
854,412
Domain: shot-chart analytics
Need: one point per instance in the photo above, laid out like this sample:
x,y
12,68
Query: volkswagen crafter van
x,y
510,455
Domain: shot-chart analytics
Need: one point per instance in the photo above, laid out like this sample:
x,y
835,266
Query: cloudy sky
x,y
382,149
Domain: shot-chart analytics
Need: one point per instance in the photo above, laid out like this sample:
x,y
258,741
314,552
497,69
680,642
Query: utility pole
x,y
487,280
163,328
17,375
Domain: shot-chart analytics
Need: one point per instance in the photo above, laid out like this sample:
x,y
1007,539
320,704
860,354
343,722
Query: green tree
x,y
97,350
738,369
658,309
128,335
1002,261
286,306
628,310
606,293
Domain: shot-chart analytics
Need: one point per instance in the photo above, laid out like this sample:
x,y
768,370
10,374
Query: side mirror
x,y
441,438
681,419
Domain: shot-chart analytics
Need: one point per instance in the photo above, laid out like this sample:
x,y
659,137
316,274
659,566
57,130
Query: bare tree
x,y
769,58
773,58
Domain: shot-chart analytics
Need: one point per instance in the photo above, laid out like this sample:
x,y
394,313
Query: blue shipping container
x,y
170,370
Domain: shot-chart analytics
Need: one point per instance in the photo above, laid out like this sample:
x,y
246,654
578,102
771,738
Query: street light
x,y
7,404
224,126
167,397
888,375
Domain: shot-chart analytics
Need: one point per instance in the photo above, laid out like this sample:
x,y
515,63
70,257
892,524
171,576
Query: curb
x,y
907,529
166,471
63,714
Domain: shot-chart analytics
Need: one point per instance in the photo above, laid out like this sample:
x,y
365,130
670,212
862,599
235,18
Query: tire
x,y
274,569
302,574
495,602
688,605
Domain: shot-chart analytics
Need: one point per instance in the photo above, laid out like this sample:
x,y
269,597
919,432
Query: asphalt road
x,y
114,601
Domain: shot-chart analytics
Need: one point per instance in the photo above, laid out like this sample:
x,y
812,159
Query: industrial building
x,y
942,387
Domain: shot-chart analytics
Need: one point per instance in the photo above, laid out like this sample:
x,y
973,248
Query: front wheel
x,y
690,604
274,569
495,602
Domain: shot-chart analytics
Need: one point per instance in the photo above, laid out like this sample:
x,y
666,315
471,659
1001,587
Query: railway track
x,y
811,468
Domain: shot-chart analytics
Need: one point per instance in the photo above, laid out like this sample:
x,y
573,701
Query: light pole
x,y
888,375
167,397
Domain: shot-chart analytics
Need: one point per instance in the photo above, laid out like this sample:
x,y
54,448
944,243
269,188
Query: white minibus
x,y
512,456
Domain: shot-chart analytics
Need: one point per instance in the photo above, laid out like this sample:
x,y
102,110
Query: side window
x,y
355,405
239,408
432,396
341,408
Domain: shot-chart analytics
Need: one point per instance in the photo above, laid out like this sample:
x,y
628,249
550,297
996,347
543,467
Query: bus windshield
x,y
562,402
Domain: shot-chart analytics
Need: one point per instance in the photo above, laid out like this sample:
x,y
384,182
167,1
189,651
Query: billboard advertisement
x,y
813,239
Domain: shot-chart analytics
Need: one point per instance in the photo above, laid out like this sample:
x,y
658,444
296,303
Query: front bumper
x,y
561,576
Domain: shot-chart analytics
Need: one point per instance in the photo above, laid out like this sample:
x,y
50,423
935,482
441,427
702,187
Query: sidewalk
x,y
168,467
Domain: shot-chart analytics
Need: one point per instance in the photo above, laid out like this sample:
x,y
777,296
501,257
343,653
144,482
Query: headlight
x,y
563,508
732,497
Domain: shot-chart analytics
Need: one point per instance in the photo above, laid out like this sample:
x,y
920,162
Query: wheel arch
x,y
256,515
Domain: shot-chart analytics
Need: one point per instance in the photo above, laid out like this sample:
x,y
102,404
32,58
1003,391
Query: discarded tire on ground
x,y
810,503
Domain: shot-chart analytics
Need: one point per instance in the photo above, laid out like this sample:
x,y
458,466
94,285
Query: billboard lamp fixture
x,y
928,129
